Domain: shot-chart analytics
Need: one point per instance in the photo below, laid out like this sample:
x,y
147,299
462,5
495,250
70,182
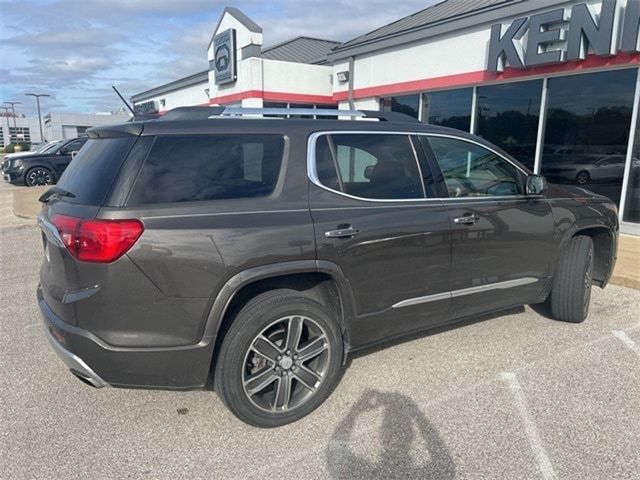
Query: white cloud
x,y
76,49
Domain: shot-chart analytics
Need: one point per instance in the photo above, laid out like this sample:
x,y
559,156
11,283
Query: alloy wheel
x,y
286,364
39,176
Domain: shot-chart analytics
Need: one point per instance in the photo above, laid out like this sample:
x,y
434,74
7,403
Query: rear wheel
x,y
571,291
281,358
38,176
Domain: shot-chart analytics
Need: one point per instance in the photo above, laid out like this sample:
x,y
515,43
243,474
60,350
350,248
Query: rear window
x,y
90,175
208,167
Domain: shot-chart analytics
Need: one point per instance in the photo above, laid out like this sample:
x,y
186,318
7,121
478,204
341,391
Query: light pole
x,y
38,95
6,114
13,111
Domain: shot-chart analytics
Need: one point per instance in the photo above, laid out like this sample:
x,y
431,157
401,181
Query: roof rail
x,y
324,112
213,112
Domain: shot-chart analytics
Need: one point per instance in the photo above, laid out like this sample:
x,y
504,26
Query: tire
x,y
38,176
583,178
240,371
571,289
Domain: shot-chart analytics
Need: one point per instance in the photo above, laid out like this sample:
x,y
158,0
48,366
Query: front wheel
x,y
280,359
38,176
571,291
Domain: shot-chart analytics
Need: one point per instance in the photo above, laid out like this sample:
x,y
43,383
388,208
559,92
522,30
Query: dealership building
x,y
554,83
55,126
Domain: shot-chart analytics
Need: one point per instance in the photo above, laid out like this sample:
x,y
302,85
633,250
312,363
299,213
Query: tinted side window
x,y
376,166
208,167
90,175
473,171
75,146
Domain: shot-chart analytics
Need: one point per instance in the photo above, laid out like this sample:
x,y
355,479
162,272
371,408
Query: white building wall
x,y
297,78
20,122
456,53
245,67
64,125
186,96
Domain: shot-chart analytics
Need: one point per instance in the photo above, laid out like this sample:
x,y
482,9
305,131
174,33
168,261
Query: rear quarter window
x,y
90,175
208,167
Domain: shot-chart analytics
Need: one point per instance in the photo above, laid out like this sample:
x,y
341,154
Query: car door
x,y
502,239
376,217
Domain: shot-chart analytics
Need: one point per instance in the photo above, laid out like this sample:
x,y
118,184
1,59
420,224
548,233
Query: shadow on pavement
x,y
406,446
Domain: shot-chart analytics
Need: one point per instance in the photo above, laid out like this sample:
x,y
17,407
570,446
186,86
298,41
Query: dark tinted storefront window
x,y
508,116
587,131
408,104
274,105
632,202
304,106
449,109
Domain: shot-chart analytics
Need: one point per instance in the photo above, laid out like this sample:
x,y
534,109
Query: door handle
x,y
342,233
467,220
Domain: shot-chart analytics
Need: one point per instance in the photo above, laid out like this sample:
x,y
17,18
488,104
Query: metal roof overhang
x,y
461,22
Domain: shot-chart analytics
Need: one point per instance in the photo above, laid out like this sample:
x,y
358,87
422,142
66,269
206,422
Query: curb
x,y
25,201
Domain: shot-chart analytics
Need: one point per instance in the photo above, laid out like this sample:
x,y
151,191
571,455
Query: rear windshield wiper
x,y
57,191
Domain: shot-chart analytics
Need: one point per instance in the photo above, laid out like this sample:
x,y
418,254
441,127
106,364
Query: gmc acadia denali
x,y
262,251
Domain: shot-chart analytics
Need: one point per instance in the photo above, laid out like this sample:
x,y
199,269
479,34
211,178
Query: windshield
x,y
38,147
48,147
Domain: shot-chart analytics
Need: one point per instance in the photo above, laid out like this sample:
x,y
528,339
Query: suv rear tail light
x,y
100,241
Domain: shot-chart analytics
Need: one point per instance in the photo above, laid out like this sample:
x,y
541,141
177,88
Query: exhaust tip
x,y
84,379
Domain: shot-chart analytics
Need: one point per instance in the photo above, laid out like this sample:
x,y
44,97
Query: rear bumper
x,y
101,364
74,363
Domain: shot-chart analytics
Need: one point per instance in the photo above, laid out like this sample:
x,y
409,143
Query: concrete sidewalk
x,y
8,219
627,271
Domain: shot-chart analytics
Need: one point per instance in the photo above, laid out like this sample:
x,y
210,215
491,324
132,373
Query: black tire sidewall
x,y
249,322
586,291
26,176
570,295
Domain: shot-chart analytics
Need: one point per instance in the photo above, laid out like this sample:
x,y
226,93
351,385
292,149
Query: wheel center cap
x,y
286,362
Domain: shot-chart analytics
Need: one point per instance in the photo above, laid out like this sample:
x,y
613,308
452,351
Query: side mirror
x,y
536,184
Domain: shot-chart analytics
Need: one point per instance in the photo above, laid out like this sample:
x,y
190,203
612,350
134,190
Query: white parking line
x,y
548,473
624,338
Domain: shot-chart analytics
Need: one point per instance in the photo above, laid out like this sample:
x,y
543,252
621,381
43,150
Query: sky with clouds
x,y
76,49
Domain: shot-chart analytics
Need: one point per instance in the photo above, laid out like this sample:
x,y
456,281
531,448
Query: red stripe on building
x,y
273,97
485,76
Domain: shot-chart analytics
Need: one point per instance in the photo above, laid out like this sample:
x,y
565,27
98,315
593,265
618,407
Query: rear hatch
x,y
68,275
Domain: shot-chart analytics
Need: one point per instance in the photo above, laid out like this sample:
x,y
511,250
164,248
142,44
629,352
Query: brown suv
x,y
263,251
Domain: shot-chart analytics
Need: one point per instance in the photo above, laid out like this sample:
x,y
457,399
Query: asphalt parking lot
x,y
510,396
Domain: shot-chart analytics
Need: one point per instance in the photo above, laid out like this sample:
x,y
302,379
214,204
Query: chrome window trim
x,y
518,282
313,175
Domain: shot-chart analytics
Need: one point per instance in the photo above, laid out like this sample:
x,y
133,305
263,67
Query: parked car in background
x,y
588,170
264,251
39,148
43,168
